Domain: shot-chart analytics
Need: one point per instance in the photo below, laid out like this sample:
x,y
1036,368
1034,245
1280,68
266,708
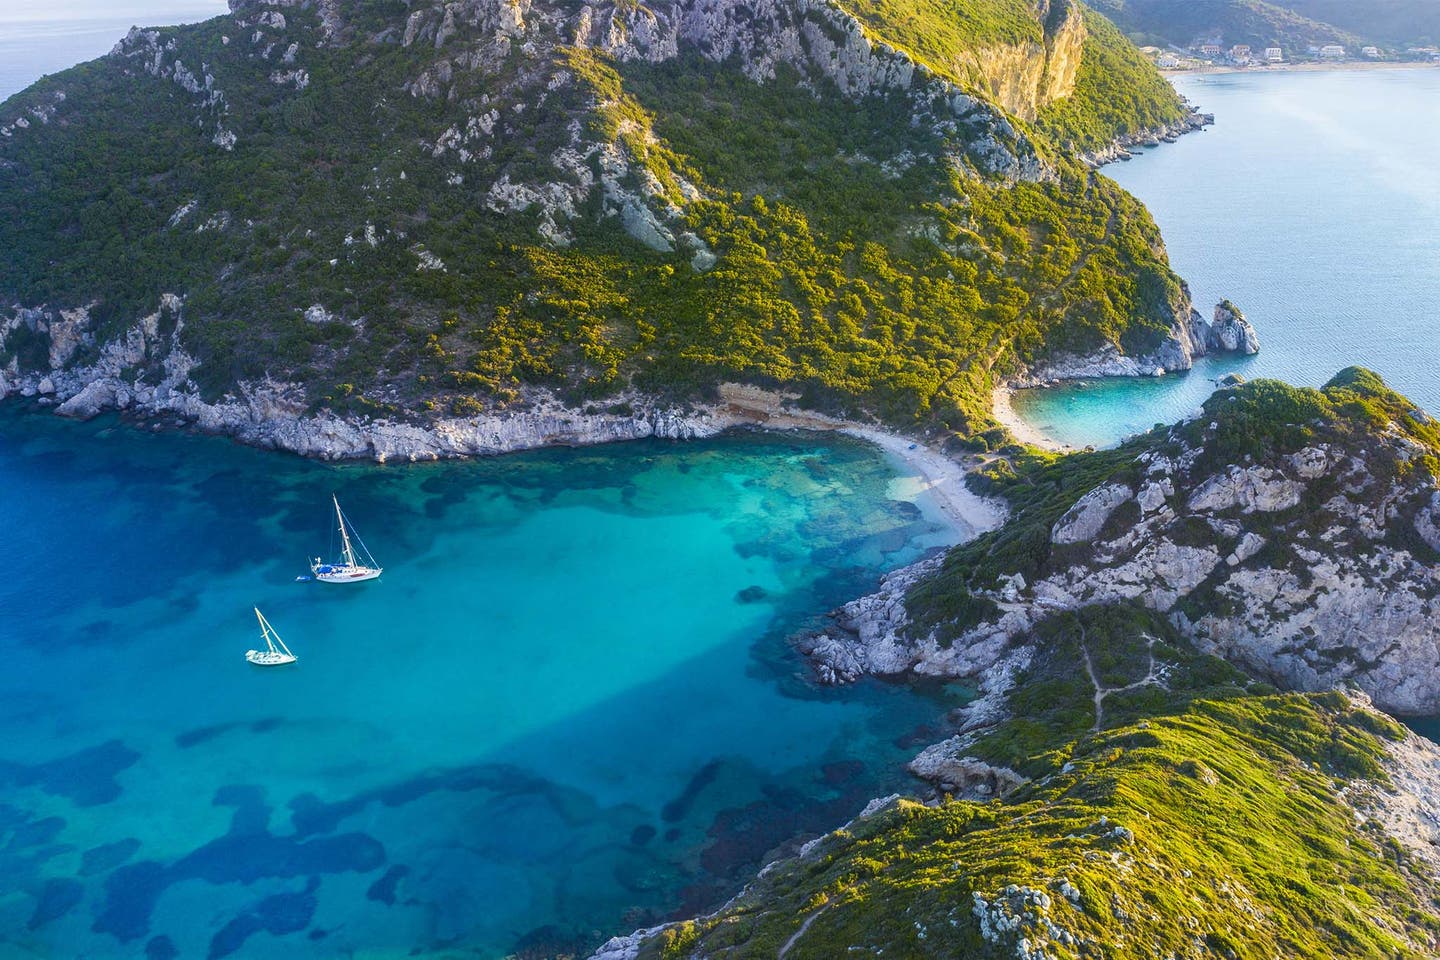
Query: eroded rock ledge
x,y
1312,566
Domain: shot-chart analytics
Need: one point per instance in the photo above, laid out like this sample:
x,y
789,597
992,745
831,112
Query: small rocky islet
x,y
447,229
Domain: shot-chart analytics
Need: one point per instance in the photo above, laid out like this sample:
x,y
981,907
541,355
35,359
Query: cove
x,y
569,707
1314,204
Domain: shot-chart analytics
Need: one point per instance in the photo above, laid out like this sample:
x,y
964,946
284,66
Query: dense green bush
x,y
900,289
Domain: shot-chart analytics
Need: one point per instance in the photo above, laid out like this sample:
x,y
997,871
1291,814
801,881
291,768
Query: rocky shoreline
x,y
1123,148
1227,332
276,416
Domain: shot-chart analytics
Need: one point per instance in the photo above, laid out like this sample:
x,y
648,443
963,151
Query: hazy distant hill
x,y
1401,22
1292,24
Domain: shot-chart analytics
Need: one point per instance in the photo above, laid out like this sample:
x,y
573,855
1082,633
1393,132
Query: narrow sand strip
x,y
1004,412
941,477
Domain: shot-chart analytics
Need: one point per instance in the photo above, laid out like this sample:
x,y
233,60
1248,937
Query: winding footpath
x,y
1152,678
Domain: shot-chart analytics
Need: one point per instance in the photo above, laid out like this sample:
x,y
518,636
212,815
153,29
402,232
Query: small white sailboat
x,y
275,653
353,566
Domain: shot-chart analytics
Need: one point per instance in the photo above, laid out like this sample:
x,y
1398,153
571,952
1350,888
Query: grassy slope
x,y
1238,844
891,293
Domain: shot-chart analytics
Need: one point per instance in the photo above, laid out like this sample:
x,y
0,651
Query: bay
x,y
568,707
1314,204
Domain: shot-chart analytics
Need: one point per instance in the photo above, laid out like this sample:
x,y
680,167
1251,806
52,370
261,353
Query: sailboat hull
x,y
331,573
269,658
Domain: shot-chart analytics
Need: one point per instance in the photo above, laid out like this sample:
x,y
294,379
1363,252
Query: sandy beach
x,y
942,477
1004,412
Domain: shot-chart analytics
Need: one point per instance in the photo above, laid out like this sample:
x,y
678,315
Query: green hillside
x,y
1256,23
1400,22
1117,793
432,226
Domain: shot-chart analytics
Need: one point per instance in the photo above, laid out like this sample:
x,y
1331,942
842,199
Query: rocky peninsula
x,y
412,232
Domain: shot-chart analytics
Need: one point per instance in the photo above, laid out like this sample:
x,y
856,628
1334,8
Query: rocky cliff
x,y
1292,532
463,209
1025,78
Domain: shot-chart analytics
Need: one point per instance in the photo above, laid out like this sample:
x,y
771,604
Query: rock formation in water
x,y
1230,332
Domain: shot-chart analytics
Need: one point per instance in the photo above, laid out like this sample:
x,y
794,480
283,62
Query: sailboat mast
x,y
344,534
264,629
271,637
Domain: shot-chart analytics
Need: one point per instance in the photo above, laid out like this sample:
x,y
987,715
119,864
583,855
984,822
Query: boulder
x,y
1084,521
1250,489
1230,332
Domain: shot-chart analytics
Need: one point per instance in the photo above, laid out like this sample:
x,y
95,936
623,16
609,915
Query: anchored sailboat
x,y
353,566
275,653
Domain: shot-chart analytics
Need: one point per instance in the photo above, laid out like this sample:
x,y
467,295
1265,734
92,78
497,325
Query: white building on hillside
x,y
1332,51
1274,55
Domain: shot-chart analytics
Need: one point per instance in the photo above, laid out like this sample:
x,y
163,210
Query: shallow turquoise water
x,y
1314,204
567,708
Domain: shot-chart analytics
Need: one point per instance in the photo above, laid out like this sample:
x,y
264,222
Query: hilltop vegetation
x,y
1118,790
1206,816
440,211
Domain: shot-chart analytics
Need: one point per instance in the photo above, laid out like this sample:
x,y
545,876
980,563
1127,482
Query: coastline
x,y
1003,410
273,416
1346,66
941,476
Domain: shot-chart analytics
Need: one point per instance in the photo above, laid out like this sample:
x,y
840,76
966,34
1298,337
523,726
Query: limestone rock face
x,y
1026,77
1307,563
147,372
1249,489
1185,340
1230,332
1083,522
946,765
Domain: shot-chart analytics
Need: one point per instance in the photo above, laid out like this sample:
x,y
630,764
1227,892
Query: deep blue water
x,y
1314,204
568,708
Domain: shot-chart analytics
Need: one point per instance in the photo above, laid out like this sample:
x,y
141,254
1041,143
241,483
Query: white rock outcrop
x,y
1312,599
1084,521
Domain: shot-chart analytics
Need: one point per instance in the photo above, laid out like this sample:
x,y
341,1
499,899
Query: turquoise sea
x,y
1314,204
567,709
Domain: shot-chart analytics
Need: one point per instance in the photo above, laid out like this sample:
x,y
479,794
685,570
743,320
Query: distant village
x,y
1213,53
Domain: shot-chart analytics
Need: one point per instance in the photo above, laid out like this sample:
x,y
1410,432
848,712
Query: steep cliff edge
x,y
458,211
1293,532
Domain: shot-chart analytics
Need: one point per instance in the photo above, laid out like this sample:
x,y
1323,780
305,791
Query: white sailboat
x,y
275,653
353,566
